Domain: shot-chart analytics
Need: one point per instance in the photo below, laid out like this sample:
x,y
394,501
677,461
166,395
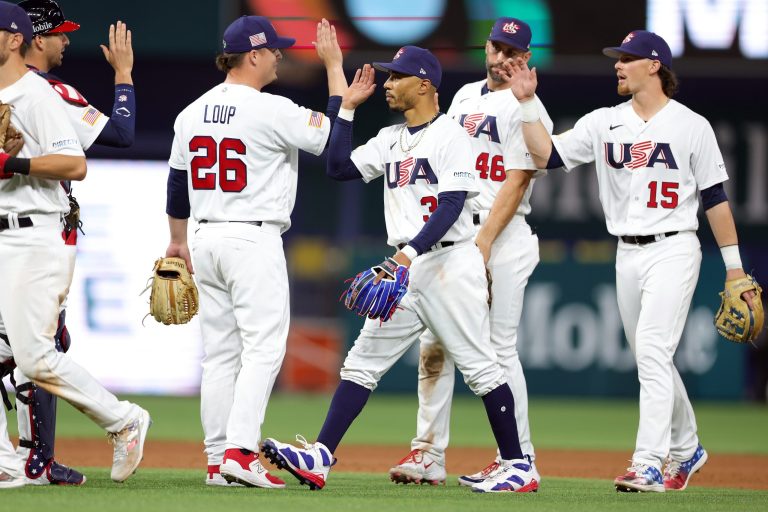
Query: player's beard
x,y
493,74
402,103
623,90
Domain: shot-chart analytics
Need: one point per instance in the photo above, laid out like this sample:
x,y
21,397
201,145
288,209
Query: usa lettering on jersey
x,y
408,171
480,124
639,155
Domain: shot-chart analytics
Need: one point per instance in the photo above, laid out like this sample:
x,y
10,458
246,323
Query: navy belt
x,y
645,239
24,222
254,222
438,245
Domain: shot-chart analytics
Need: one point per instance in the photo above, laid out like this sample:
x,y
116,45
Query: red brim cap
x,y
67,26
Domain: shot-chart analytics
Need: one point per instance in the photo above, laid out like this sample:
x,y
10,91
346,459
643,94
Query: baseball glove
x,y
10,138
377,300
734,320
174,298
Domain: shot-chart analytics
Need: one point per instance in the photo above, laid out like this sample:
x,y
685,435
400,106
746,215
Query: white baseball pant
x,y
244,318
654,286
36,274
447,294
514,255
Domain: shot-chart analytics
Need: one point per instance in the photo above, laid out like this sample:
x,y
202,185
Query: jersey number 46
x,y
232,176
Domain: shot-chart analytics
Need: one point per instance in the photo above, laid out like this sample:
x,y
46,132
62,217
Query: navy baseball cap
x,y
13,19
248,33
414,61
642,43
511,31
47,18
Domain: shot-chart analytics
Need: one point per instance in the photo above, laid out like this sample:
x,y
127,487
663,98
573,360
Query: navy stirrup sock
x,y
500,407
348,400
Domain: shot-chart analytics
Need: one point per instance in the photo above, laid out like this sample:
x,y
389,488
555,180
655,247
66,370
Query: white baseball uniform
x,y
448,288
88,123
37,269
649,174
240,148
492,120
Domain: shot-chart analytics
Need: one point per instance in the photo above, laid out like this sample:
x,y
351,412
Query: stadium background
x,y
571,340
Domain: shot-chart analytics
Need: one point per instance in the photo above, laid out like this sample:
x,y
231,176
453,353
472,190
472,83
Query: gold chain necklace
x,y
418,137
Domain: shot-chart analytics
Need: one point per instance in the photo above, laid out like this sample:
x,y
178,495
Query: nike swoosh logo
x,y
393,145
426,466
613,127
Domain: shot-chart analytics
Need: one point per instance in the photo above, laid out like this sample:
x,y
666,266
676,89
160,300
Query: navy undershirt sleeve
x,y
332,110
713,196
340,166
554,159
177,202
449,206
120,130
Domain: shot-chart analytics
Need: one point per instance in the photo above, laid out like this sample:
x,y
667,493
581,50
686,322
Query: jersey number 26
x,y
232,170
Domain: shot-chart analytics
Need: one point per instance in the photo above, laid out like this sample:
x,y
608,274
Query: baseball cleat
x,y
57,474
310,465
418,467
244,467
490,470
514,475
129,446
678,473
214,477
10,482
640,478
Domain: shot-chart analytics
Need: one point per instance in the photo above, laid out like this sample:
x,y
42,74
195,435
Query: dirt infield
x,y
722,470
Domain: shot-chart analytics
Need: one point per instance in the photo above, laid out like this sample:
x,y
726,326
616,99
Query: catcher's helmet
x,y
47,18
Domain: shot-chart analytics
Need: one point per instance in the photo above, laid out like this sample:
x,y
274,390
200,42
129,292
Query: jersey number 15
x,y
669,197
232,170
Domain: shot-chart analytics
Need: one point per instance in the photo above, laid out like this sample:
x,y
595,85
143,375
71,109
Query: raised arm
x,y
340,166
120,130
329,51
524,82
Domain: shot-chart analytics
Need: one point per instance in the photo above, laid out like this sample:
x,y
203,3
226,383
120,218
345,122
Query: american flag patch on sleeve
x,y
316,119
91,116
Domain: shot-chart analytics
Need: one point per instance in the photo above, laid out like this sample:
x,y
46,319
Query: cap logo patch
x,y
258,39
510,28
653,52
14,26
628,38
421,70
399,53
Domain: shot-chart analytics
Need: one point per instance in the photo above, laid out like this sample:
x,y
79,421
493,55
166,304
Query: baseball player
x,y
37,270
234,168
652,156
36,407
427,167
488,111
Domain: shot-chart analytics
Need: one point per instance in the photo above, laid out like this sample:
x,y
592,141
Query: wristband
x,y
409,251
10,164
731,257
529,111
347,114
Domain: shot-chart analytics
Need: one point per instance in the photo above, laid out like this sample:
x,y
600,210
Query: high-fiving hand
x,y
360,89
119,54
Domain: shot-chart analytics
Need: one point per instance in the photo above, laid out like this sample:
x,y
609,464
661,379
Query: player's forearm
x,y
337,82
178,230
538,141
120,130
723,226
58,167
505,205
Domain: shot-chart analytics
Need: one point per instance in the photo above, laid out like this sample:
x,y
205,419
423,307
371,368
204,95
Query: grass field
x,y
389,420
